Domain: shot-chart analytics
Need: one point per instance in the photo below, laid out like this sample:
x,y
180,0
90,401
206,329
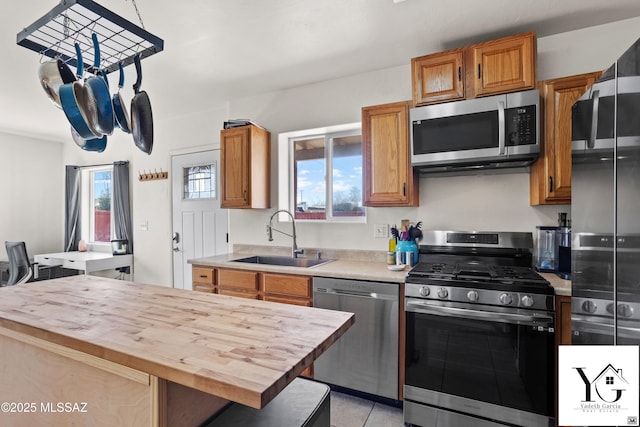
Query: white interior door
x,y
199,224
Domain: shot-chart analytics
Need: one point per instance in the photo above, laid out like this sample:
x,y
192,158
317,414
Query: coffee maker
x,y
563,252
546,259
554,248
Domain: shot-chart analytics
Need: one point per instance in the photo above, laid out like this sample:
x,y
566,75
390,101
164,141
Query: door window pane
x,y
199,182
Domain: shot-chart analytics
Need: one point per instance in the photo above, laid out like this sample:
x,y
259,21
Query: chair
x,y
20,270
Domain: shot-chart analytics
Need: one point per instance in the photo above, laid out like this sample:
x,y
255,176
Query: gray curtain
x,y
72,208
122,204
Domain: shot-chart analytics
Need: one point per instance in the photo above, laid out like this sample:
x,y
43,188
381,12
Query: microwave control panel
x,y
521,125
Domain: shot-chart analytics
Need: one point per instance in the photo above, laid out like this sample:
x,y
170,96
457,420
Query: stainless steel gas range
x,y
479,333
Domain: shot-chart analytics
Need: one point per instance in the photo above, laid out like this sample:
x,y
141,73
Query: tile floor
x,y
352,411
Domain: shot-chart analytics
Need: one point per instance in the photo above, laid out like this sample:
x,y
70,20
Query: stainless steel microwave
x,y
492,132
594,114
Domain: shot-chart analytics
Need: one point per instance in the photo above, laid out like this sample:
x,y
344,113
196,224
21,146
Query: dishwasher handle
x,y
358,294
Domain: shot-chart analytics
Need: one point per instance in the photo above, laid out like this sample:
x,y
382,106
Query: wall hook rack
x,y
152,176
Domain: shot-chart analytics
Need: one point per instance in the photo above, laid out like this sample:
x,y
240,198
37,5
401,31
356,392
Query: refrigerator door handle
x,y
591,143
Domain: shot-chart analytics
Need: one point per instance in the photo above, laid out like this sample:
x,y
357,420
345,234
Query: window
x,y
323,180
199,182
97,206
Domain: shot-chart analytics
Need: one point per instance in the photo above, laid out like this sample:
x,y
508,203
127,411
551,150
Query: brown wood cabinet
x,y
438,77
238,283
563,320
203,279
504,65
498,66
245,167
550,177
389,179
287,289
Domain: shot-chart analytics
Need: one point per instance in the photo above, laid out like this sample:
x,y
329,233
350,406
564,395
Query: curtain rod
x,y
101,164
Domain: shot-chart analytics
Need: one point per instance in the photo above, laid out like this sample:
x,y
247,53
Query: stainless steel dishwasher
x,y
365,358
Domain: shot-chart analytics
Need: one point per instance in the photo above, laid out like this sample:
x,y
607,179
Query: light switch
x,y
144,226
381,230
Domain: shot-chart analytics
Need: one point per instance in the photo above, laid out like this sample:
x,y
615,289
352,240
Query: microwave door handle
x,y
501,145
591,143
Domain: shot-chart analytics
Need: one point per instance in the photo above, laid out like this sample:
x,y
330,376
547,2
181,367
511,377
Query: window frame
x,y
88,208
286,175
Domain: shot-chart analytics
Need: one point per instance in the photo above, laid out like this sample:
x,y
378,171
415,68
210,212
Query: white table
x,y
85,261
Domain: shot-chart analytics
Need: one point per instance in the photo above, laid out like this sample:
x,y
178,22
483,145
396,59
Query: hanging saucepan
x,y
95,144
99,110
141,117
73,102
119,107
52,75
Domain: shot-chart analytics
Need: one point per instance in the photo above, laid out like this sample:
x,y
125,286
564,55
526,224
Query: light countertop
x,y
344,268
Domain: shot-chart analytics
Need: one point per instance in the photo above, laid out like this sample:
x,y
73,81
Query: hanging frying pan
x,y
95,144
141,117
72,100
52,75
119,107
99,110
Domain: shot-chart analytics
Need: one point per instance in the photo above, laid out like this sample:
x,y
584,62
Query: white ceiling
x,y
224,49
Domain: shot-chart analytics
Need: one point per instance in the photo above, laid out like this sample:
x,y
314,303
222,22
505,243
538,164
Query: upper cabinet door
x,y
504,65
245,157
438,77
551,174
389,179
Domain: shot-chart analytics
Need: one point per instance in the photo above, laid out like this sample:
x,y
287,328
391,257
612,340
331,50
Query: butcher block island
x,y
87,350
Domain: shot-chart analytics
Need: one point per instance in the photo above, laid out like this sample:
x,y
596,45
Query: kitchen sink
x,y
283,261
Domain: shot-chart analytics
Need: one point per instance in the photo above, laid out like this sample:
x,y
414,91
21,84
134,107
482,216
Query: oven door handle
x,y
426,308
588,325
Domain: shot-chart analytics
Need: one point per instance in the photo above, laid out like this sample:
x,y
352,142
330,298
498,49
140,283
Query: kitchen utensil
x,y
119,109
52,75
92,144
99,109
141,116
73,101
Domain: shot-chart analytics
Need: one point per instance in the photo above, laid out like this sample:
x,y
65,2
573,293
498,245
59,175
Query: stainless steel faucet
x,y
294,249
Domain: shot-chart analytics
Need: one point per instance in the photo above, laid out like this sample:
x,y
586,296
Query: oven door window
x,y
501,363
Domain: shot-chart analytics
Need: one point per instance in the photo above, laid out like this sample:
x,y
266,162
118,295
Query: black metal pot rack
x,y
73,21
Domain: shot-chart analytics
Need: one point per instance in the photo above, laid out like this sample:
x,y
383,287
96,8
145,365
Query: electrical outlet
x,y
381,230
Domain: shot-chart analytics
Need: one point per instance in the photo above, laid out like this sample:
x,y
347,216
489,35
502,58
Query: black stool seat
x,y
302,403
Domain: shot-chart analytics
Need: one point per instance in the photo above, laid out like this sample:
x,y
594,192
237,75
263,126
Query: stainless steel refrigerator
x,y
605,207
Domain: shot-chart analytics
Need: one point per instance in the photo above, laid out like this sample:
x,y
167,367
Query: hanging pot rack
x,y
73,21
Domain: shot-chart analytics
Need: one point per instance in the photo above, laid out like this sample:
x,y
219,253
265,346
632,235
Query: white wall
x,y
484,202
31,194
151,200
497,202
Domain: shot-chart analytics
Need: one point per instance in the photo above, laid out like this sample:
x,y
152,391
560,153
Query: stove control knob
x,y
442,293
589,306
527,300
506,299
625,310
424,291
472,296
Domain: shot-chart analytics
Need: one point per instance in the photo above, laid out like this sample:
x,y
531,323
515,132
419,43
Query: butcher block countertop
x,y
241,350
